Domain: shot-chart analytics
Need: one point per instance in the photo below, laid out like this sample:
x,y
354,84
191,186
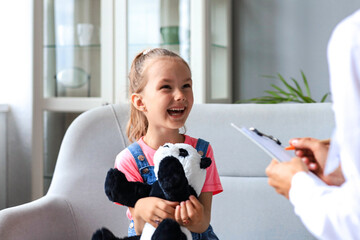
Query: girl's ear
x,y
137,102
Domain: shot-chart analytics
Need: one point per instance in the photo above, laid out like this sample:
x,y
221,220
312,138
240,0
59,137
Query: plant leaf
x,y
275,94
267,99
291,89
324,97
273,99
308,99
281,90
297,85
306,84
288,94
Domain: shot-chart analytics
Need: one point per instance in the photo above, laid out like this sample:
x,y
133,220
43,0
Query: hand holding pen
x,y
313,153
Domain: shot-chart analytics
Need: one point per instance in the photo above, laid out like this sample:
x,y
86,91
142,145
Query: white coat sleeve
x,y
334,212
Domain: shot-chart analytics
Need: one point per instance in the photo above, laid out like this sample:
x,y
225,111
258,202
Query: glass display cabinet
x,y
74,47
85,48
164,23
211,50
4,109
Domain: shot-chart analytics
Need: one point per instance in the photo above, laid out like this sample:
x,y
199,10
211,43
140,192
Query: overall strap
x,y
138,155
202,147
146,171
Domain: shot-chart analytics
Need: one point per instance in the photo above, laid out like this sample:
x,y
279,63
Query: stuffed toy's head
x,y
192,162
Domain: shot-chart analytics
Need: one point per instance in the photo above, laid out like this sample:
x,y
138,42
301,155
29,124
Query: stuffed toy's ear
x,y
205,162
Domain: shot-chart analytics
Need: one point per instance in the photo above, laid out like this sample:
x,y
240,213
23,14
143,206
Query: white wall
x,y
16,90
271,36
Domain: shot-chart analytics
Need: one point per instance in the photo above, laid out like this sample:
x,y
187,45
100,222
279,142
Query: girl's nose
x,y
179,96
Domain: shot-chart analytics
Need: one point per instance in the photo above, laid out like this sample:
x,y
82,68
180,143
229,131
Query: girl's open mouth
x,y
176,111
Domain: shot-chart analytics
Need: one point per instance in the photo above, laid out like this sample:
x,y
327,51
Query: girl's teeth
x,y
175,110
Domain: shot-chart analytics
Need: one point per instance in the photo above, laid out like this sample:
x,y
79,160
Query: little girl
x,y
161,99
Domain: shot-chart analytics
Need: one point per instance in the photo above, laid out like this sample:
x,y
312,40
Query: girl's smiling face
x,y
167,97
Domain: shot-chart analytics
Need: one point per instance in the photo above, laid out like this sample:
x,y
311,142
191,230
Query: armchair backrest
x,y
88,150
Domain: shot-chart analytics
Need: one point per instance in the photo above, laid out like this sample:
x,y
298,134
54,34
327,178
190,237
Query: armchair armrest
x,y
50,217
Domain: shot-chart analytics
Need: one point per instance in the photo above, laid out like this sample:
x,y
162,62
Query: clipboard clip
x,y
265,135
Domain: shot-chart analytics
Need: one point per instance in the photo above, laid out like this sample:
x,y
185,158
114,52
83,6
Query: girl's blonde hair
x,y
138,124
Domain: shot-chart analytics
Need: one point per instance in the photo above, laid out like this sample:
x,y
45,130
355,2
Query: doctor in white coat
x,y
329,204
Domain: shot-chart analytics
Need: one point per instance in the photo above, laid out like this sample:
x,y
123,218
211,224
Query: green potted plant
x,y
291,93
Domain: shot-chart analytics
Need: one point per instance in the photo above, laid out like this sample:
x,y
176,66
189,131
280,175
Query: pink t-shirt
x,y
125,163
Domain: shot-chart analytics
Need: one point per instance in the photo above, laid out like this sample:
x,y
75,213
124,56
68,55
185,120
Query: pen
x,y
325,141
291,147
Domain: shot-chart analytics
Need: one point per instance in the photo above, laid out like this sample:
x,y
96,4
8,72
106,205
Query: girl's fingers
x,y
172,204
191,210
181,215
177,213
194,201
156,221
167,209
183,212
192,205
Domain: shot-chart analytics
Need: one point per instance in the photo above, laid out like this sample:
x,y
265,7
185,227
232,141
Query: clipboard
x,y
268,144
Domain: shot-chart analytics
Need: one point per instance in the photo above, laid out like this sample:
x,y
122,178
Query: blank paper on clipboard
x,y
266,144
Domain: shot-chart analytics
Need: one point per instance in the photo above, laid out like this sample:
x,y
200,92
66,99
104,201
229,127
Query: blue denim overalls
x,y
148,175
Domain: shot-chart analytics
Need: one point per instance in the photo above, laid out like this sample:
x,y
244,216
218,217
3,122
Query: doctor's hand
x,y
281,174
314,153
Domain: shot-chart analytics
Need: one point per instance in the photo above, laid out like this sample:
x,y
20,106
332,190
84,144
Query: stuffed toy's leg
x,y
119,189
105,234
170,229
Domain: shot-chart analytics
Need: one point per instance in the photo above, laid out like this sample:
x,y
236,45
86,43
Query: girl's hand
x,y
189,212
153,210
193,214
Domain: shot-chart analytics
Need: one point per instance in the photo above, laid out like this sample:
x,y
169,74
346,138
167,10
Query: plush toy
x,y
180,171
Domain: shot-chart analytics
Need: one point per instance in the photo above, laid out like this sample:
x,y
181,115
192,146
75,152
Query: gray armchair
x,y
76,205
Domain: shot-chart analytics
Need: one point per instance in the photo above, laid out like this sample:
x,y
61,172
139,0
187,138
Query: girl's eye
x,y
187,85
165,87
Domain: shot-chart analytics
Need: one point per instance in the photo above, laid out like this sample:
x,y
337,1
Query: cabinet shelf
x,y
71,104
51,46
153,44
218,45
